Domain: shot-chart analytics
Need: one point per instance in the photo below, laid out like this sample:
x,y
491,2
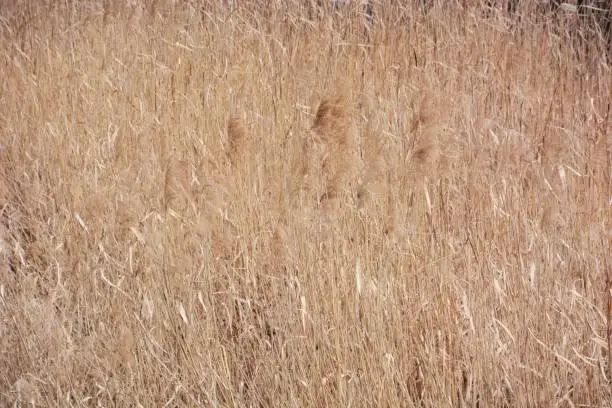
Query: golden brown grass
x,y
275,206
237,141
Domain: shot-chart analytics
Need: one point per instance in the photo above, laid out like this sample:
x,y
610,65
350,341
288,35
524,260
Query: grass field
x,y
206,205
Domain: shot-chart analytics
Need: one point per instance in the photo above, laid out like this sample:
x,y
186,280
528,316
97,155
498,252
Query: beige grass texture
x,y
248,206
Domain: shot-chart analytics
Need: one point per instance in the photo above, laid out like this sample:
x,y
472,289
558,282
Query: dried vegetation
x,y
286,206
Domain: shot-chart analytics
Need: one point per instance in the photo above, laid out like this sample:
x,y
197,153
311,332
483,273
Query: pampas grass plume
x,y
237,140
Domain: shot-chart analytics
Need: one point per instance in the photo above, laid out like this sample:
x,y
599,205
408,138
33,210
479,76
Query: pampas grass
x,y
332,126
257,206
237,141
425,131
331,122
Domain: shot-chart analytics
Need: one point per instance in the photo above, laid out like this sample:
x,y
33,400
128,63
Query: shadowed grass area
x,y
207,205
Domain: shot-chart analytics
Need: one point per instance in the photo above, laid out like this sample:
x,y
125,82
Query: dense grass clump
x,y
293,205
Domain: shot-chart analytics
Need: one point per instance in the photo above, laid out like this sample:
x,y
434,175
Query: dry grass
x,y
277,206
